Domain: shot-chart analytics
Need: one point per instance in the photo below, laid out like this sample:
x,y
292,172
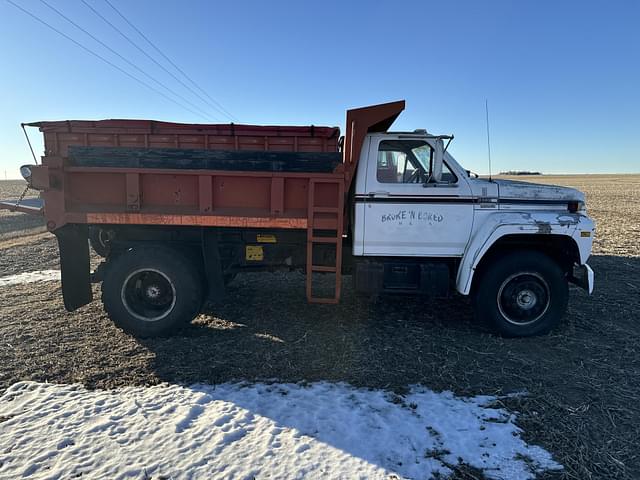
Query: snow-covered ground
x,y
30,277
246,431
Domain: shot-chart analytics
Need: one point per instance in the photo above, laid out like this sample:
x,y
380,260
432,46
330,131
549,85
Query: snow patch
x,y
30,277
240,430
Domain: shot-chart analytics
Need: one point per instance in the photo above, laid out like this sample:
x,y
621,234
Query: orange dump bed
x,y
181,196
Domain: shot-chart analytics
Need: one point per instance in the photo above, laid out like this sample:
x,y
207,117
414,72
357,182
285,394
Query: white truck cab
x,y
513,245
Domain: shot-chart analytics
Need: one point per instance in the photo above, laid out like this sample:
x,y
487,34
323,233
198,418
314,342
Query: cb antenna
x,y
486,109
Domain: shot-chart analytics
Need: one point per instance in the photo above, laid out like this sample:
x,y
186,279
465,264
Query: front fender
x,y
499,224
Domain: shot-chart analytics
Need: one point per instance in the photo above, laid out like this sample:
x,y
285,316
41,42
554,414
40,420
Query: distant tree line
x,y
520,172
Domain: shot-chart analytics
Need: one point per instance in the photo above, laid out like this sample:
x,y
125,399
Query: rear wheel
x,y
152,291
522,294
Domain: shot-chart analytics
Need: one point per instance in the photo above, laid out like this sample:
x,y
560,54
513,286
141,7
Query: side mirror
x,y
438,155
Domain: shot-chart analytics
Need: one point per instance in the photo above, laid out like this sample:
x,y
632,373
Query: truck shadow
x,y
266,330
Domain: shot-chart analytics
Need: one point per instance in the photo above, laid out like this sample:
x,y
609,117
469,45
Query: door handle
x,y
379,193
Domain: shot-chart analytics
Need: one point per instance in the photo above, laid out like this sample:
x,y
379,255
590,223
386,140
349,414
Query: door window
x,y
407,161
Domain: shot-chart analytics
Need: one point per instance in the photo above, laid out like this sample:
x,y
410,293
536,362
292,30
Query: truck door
x,y
405,212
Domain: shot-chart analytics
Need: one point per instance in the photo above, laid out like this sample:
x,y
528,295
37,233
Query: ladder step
x,y
323,240
321,268
322,224
331,301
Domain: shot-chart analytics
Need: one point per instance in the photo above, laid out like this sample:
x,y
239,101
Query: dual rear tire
x,y
152,291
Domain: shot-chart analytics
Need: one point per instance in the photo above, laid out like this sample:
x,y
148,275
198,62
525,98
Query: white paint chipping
x,y
320,430
30,277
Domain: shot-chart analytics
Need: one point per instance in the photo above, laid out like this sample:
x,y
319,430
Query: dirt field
x,y
583,383
14,224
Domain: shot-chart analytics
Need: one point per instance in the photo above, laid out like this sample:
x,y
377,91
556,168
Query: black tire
x,y
522,294
152,291
99,241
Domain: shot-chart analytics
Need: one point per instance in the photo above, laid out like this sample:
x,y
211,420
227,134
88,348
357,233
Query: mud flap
x,y
74,265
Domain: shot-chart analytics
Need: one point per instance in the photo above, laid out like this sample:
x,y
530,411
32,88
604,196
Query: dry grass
x,y
582,379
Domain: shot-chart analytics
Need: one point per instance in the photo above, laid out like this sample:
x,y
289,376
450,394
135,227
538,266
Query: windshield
x,y
423,154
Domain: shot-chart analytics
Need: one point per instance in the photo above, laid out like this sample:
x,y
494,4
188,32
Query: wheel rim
x,y
148,295
524,298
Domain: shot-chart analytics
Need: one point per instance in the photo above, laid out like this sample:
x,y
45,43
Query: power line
x,y
97,55
134,44
217,105
124,58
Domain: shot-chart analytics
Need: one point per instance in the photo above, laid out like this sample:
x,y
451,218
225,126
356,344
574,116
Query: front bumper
x,y
583,277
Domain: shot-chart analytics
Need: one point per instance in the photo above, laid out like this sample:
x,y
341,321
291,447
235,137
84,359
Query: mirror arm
x,y
448,143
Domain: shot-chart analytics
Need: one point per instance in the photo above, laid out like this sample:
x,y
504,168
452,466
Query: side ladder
x,y
328,219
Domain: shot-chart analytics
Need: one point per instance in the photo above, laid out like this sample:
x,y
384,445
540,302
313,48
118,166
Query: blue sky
x,y
562,78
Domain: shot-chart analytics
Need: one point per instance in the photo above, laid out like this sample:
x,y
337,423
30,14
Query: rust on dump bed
x,y
59,135
173,196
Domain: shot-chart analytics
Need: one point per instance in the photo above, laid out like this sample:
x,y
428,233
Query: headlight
x,y
25,171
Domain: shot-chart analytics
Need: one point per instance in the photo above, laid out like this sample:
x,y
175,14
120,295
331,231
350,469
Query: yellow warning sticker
x,y
585,234
254,253
266,238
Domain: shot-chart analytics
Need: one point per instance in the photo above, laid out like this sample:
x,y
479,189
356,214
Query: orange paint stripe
x,y
195,220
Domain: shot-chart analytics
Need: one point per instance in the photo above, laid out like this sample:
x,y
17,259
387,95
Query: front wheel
x,y
151,291
522,294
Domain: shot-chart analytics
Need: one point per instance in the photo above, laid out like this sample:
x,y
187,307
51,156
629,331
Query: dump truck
x,y
178,210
